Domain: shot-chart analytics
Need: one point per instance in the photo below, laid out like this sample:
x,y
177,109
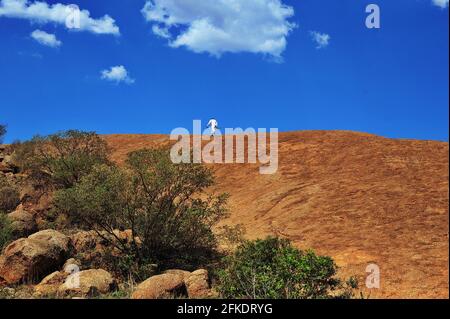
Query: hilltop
x,y
356,197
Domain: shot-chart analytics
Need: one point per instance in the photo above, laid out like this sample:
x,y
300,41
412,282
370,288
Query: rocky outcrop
x,y
49,286
30,259
85,241
182,273
88,283
22,222
197,284
71,264
160,286
6,163
175,282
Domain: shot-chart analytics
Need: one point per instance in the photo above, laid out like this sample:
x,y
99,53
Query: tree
x,y
273,269
2,132
61,160
162,203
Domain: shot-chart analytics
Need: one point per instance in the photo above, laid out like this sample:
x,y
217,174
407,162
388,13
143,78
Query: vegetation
x,y
9,196
2,132
153,214
6,231
163,204
61,160
274,269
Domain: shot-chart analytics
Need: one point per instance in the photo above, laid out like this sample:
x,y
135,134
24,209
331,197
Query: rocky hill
x,y
360,198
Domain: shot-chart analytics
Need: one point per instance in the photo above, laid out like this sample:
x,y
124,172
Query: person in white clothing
x,y
213,125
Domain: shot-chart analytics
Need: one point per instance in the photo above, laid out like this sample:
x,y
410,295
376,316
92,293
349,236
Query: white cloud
x,y
217,27
45,38
441,3
161,32
322,40
40,11
117,74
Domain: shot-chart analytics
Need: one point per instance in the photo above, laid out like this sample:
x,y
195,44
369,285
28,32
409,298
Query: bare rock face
x,y
160,286
29,259
197,284
88,283
23,223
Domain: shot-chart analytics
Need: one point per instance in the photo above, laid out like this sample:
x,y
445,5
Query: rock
x,y
7,165
27,193
183,273
49,286
44,202
197,284
85,241
7,293
71,265
5,168
160,286
88,283
23,223
29,259
7,159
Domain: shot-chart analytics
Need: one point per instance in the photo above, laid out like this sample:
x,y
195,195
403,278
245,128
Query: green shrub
x,y
163,204
6,231
274,269
60,160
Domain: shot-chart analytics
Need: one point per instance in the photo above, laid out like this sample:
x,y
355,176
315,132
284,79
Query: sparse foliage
x,y
274,269
9,196
6,231
163,204
61,160
2,132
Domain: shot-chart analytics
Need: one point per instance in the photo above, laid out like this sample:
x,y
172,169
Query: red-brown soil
x,y
356,197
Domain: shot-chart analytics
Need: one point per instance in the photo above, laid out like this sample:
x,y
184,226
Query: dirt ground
x,y
359,198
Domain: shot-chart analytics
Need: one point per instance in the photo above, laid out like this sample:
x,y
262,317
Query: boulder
x,y
49,286
30,259
160,286
7,165
88,283
183,273
5,168
71,265
85,241
22,222
197,284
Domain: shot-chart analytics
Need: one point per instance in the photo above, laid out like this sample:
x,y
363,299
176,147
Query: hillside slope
x,y
357,197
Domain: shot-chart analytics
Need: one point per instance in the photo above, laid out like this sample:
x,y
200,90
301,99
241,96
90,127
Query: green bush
x,y
6,231
274,269
162,203
60,160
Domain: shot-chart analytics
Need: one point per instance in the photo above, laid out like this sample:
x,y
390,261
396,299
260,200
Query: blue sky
x,y
391,81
